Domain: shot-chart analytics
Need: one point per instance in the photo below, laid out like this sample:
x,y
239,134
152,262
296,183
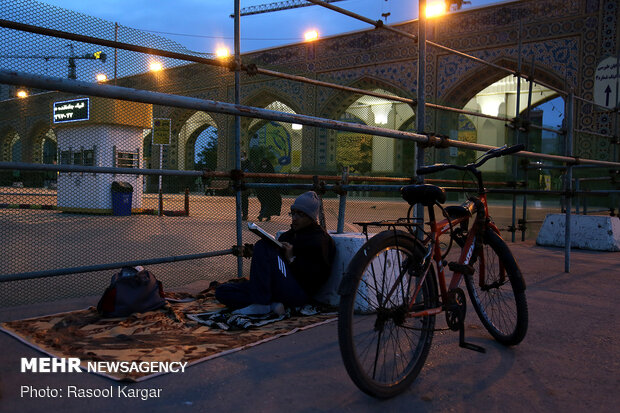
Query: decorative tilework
x,y
567,37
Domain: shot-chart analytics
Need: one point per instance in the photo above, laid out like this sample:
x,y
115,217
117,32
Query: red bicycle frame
x,y
444,227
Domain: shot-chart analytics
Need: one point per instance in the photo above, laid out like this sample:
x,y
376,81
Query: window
x,y
126,159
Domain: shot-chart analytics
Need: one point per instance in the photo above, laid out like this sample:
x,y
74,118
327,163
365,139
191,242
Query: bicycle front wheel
x,y
497,291
382,347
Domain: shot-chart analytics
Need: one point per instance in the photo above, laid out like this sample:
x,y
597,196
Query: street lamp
x,y
101,77
22,94
311,35
435,9
222,52
155,67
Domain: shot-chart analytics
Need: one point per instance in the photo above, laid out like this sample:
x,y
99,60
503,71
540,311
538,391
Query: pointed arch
x,y
386,156
189,132
37,136
265,98
339,103
278,142
7,139
483,76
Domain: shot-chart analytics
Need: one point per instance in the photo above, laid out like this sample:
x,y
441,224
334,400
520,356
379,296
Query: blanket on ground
x,y
168,334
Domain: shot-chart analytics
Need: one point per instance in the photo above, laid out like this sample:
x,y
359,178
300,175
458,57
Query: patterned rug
x,y
165,335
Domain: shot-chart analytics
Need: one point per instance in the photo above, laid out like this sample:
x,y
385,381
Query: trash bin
x,y
121,198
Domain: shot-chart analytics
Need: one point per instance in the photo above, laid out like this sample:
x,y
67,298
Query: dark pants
x,y
245,203
270,281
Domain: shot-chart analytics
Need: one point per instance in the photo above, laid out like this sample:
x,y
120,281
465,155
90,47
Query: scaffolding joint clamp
x,y
576,161
435,140
337,188
318,186
236,175
245,250
233,66
251,69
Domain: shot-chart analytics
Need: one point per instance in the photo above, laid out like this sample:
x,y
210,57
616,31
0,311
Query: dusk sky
x,y
203,25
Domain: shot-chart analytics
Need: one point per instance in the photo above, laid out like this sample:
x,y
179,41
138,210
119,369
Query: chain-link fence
x,y
142,166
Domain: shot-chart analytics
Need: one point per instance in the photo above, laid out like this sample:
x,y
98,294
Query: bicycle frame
x,y
437,229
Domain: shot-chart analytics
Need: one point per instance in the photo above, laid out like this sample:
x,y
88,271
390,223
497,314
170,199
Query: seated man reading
x,y
288,276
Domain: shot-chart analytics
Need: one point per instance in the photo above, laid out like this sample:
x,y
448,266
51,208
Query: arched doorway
x,y
205,149
191,130
279,143
364,153
500,99
49,149
15,149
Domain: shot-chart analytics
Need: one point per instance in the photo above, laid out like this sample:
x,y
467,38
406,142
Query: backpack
x,y
132,290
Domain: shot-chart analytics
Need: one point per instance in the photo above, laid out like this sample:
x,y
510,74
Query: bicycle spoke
x,y
502,310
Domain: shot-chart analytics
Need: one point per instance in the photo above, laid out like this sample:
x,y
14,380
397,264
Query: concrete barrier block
x,y
599,233
347,245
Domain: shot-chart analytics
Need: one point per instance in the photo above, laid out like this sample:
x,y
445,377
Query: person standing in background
x,y
270,198
246,166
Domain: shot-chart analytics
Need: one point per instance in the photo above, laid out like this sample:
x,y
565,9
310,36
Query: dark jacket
x,y
314,252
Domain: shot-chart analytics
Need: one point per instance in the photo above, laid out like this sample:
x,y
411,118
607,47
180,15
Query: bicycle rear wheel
x,y
497,291
382,348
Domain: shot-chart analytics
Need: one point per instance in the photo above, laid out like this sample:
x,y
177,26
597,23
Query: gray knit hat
x,y
308,203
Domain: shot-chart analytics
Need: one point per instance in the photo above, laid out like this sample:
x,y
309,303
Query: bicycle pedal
x,y
461,268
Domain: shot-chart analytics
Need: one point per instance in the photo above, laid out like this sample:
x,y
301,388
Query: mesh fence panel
x,y
53,220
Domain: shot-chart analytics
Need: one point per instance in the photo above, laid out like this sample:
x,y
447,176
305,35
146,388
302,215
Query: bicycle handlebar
x,y
493,153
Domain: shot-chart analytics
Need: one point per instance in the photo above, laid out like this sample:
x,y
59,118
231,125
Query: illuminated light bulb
x,y
155,67
381,112
222,52
22,94
311,35
435,9
101,77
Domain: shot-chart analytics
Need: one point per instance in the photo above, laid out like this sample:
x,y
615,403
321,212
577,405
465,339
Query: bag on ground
x,y
132,290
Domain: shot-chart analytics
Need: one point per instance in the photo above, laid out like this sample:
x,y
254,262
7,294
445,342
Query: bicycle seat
x,y
461,211
423,194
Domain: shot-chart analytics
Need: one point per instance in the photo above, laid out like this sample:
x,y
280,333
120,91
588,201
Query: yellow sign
x,y
161,131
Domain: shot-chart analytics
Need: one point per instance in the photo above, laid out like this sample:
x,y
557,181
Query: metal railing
x,y
238,110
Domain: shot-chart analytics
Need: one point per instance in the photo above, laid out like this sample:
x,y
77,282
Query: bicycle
x,y
392,293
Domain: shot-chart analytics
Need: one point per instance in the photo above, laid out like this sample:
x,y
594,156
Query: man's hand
x,y
288,251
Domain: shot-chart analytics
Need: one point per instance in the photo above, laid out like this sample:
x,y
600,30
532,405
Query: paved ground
x,y
569,361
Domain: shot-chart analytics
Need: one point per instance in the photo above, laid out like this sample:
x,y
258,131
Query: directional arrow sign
x,y
606,85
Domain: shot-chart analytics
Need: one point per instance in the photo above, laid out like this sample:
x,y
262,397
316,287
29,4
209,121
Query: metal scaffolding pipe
x,y
225,63
185,102
96,169
238,201
110,266
109,43
377,23
214,174
191,58
334,86
594,133
568,184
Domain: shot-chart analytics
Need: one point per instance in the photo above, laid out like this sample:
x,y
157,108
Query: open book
x,y
263,234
